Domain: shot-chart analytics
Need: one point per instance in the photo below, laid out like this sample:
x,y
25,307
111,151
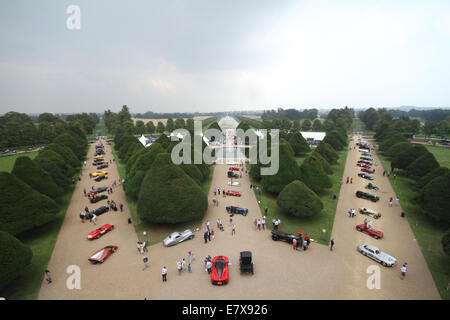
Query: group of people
x,y
260,223
397,201
351,213
276,223
368,223
142,247
349,179
181,266
208,264
302,242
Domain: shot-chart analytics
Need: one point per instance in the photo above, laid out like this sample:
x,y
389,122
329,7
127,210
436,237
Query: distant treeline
x,y
175,115
291,114
435,115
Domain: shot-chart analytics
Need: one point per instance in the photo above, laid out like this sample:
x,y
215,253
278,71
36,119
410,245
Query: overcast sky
x,y
209,55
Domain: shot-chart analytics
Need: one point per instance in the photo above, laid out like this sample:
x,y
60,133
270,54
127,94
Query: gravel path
x,y
280,272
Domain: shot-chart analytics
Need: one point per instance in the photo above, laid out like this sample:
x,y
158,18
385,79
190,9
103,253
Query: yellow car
x,y
100,156
99,173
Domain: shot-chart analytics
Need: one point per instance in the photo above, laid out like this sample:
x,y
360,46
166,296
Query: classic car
x,y
370,231
99,256
100,178
219,273
98,157
237,210
99,162
368,170
372,187
363,165
377,255
231,174
278,235
99,173
97,212
246,262
98,190
99,152
102,166
178,237
365,176
366,158
95,198
234,183
364,161
233,169
370,213
96,234
368,196
366,154
233,193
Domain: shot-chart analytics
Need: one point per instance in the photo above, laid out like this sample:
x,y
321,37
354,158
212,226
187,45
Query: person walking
x,y
258,223
164,274
82,216
215,191
205,236
84,191
145,260
121,207
263,224
93,219
348,179
218,191
189,268
209,235
48,276
207,225
331,244
233,230
403,270
351,181
179,267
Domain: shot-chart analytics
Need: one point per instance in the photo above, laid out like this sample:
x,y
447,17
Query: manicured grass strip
x,y
41,241
314,226
442,154
158,232
427,232
7,162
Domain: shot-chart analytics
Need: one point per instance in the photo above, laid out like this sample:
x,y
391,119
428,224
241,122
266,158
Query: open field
x,y
427,232
7,162
442,154
313,226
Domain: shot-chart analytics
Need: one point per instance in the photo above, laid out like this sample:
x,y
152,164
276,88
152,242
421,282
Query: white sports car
x,y
234,184
178,237
377,255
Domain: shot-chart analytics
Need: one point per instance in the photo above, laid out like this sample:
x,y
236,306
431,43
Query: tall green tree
x,y
314,176
298,200
299,145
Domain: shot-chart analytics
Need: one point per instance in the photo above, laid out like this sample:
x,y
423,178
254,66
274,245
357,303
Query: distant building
x,y
313,137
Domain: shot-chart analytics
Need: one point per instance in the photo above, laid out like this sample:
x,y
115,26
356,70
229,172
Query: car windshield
x,y
220,266
98,255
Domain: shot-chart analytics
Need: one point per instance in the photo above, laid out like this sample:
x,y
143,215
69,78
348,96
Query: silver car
x,y
377,255
178,237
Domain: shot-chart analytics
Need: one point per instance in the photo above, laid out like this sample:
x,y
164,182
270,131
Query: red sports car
x,y
100,255
233,193
371,232
96,234
219,273
233,169
368,170
363,165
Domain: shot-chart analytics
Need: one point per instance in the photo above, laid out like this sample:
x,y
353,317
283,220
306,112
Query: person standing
x,y
84,191
351,181
369,225
258,223
121,207
82,216
233,230
183,265
331,244
48,276
263,223
208,266
189,268
164,274
179,267
93,219
348,179
294,244
397,201
145,260
205,236
403,270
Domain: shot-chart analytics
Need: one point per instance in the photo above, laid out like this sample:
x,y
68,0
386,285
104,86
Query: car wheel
x,y
102,261
364,254
359,229
191,237
376,237
275,238
98,237
384,264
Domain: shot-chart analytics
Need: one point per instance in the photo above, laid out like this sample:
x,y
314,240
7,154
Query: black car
x,y
371,186
231,174
98,198
365,176
366,158
98,190
100,178
102,166
237,210
364,161
97,163
246,262
97,212
368,196
278,235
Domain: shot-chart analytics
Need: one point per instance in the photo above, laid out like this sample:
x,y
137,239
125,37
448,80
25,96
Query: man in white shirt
x,y
403,270
208,266
369,225
164,274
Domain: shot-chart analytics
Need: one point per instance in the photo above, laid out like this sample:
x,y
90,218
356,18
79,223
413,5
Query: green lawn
x,y
7,162
427,232
41,241
314,226
157,232
442,154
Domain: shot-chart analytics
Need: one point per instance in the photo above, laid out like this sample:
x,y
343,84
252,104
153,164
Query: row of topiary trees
x,y
297,187
30,195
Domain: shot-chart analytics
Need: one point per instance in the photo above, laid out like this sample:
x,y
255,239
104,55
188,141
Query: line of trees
x,y
290,114
297,187
21,130
31,194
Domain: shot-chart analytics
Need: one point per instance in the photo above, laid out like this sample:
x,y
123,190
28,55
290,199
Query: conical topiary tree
x,y
14,257
66,153
325,165
313,175
422,165
398,148
436,198
192,171
30,173
288,171
437,172
333,141
21,207
55,166
140,167
327,152
169,195
403,159
298,200
73,142
299,145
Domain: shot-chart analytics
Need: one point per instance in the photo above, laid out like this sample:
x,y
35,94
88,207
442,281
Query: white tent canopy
x,y
316,136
